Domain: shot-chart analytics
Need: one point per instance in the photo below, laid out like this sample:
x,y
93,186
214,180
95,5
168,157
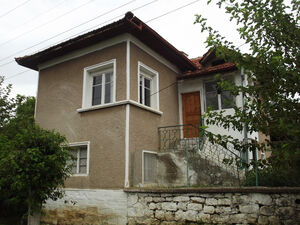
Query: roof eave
x,y
200,73
128,24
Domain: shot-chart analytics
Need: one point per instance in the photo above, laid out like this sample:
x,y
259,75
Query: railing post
x,y
255,165
187,165
159,140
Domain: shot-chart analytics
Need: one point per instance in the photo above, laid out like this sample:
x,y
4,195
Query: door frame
x,y
188,86
181,96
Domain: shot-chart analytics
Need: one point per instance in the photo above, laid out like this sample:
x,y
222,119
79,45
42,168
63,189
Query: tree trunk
x,y
34,219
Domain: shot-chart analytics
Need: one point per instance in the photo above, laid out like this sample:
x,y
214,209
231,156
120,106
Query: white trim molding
x,y
109,43
154,77
88,81
124,102
87,144
81,52
127,115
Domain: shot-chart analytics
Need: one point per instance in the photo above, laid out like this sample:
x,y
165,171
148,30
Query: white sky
x,y
33,23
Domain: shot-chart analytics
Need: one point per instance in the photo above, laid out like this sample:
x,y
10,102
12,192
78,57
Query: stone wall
x,y
214,206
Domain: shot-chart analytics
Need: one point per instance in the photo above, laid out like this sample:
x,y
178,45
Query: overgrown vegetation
x,y
33,161
271,99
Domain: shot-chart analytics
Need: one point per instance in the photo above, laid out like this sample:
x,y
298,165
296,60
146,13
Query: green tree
x,y
33,161
7,104
271,66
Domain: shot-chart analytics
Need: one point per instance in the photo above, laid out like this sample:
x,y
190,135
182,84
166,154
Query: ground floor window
x,y
149,167
80,152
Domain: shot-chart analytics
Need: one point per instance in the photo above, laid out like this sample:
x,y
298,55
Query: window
x,y
99,84
149,166
148,86
145,90
102,88
216,98
80,153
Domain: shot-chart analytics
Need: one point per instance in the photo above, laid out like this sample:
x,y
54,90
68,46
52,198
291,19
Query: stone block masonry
x,y
274,206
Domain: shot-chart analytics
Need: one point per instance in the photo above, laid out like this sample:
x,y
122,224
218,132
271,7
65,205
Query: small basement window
x,y
80,152
149,167
99,86
148,86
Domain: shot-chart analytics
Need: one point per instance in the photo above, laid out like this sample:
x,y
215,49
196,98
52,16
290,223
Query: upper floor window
x,y
145,89
216,98
148,86
99,84
80,152
102,87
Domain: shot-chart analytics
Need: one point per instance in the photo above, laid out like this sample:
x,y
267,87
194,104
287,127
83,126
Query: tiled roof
x,y
196,61
225,67
129,24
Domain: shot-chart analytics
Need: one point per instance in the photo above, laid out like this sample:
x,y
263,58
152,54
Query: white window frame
x,y
219,95
146,71
143,163
87,144
89,73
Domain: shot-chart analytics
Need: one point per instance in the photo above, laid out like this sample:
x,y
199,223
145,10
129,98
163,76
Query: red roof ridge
x,y
225,67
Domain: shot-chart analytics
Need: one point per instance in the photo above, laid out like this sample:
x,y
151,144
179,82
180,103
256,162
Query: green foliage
x,y
7,104
33,161
272,176
271,68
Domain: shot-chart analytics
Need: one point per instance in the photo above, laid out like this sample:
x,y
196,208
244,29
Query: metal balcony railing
x,y
197,145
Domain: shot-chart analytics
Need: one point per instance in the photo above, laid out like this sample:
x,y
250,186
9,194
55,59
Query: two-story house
x,y
108,91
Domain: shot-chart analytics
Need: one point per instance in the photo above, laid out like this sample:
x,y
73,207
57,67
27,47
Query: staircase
x,y
206,164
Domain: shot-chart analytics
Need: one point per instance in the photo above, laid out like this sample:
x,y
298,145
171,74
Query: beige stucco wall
x,y
60,95
144,124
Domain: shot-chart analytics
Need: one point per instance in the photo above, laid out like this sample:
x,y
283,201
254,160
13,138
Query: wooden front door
x,y
191,113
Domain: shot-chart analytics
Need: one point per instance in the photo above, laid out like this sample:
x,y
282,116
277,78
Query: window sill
x,y
219,110
124,102
79,175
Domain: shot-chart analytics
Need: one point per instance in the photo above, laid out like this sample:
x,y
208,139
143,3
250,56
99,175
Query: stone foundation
x,y
214,206
90,207
176,206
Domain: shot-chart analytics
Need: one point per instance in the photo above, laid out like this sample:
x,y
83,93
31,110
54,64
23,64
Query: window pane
x,y
228,100
147,83
212,100
73,161
211,95
82,169
211,87
83,152
82,162
147,97
97,80
108,93
150,166
108,77
141,89
97,92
